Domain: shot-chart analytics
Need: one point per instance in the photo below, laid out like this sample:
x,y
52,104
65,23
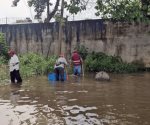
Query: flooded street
x,y
125,100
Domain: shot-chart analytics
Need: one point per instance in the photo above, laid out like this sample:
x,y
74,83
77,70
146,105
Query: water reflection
x,y
15,94
122,101
78,115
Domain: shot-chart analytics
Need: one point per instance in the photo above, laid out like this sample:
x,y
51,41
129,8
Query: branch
x,y
15,2
51,15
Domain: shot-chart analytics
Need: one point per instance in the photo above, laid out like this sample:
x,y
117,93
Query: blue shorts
x,y
77,70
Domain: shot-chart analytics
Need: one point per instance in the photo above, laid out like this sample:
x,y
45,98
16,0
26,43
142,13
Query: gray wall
x,y
129,41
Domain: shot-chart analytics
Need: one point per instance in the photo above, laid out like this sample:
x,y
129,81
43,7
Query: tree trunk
x,y
48,8
51,15
60,28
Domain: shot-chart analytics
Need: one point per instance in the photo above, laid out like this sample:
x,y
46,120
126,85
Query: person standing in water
x,y
77,63
14,67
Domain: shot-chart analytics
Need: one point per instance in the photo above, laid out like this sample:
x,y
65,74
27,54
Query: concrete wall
x,y
129,41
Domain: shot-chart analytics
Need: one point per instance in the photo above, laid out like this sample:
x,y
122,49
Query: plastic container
x,y
52,76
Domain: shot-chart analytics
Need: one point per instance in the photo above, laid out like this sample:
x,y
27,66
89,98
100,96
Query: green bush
x,y
35,64
4,73
2,60
3,47
30,64
95,62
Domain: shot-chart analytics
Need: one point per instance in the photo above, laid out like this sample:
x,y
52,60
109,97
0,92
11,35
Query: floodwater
x,y
125,100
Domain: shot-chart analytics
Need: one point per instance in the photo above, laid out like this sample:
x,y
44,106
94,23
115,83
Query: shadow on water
x,y
122,101
14,93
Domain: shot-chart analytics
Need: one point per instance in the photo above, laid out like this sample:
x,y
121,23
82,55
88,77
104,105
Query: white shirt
x,y
12,63
61,61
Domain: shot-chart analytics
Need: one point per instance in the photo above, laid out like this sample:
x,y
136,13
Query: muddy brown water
x,y
125,100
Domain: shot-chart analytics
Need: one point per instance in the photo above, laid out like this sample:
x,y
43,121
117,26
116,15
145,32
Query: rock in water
x,y
102,76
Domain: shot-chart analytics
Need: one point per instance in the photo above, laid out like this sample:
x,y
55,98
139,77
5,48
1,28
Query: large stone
x,y
102,76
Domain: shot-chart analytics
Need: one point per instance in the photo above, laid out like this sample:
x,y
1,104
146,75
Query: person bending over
x,y
60,67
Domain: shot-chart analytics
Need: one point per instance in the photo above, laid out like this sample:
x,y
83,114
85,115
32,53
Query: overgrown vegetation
x,y
83,51
101,62
35,64
98,61
3,58
3,49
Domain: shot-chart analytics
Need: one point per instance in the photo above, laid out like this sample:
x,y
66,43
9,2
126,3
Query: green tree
x,y
73,6
127,10
40,6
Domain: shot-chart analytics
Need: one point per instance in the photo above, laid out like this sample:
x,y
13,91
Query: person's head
x,y
61,55
75,51
11,52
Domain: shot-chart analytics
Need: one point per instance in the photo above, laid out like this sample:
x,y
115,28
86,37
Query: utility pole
x,y
60,28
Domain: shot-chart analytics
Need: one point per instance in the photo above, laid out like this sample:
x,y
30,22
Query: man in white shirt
x,y
14,67
59,67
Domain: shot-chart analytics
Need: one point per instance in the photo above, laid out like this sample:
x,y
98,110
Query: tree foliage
x,y
40,6
73,6
146,8
128,10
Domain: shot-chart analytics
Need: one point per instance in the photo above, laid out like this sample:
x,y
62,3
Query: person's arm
x,y
65,61
15,63
81,59
16,60
58,62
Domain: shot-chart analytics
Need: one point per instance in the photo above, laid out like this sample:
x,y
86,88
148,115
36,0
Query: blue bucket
x,y
52,76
